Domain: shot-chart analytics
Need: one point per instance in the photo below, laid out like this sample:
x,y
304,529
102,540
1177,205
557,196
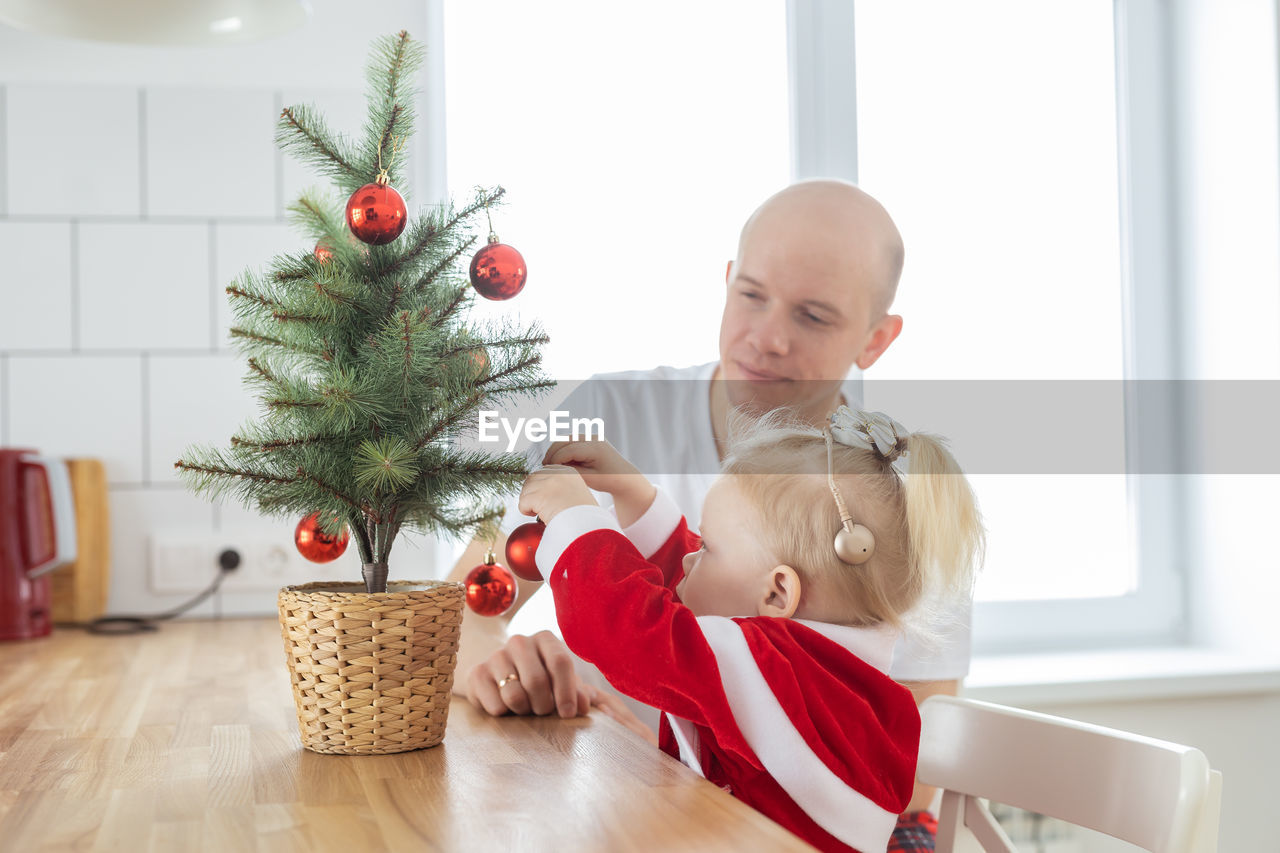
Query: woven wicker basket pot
x,y
372,672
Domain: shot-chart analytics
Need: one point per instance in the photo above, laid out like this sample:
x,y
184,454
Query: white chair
x,y
1158,795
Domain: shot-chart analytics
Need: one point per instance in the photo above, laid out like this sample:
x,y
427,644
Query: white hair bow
x,y
874,431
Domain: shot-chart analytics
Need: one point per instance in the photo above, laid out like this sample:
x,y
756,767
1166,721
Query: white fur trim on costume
x,y
567,526
839,809
651,530
872,645
686,735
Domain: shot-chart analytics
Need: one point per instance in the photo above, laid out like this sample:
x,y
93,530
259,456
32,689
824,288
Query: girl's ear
x,y
781,594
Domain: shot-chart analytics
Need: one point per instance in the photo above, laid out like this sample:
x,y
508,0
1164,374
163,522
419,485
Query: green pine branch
x,y
443,265
220,473
208,472
387,144
521,366
259,371
461,298
449,424
289,269
313,215
430,229
393,302
281,443
330,490
252,339
476,474
394,60
445,521
317,215
303,133
332,294
450,420
236,292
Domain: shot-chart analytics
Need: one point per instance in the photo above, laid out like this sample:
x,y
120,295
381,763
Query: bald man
x,y
807,301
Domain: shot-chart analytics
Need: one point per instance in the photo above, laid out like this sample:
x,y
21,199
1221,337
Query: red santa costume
x,y
796,718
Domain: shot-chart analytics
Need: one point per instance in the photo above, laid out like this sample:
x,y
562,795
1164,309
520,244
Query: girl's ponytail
x,y
944,527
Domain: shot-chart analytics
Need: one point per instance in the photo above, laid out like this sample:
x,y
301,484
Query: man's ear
x,y
728,271
882,334
781,594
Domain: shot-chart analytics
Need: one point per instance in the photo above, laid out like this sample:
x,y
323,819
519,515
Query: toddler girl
x,y
766,642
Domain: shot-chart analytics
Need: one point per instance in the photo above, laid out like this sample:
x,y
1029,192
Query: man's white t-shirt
x,y
660,420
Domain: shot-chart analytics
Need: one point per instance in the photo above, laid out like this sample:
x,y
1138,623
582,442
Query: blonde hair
x,y
928,532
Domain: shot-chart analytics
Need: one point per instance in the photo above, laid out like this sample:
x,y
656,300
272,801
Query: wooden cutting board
x,y
80,588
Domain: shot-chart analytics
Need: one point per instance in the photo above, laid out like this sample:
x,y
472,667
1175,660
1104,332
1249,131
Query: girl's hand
x,y
550,490
604,469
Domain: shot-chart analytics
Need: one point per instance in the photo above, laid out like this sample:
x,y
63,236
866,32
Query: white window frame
x,y
824,143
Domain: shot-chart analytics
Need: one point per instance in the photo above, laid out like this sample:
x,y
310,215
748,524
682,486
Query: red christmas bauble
x,y
522,546
316,545
323,252
376,213
498,271
491,589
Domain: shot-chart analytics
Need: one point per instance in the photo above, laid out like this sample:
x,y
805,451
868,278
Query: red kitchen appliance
x,y
37,535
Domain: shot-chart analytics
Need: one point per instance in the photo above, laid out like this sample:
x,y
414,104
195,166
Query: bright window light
x,y
988,129
633,142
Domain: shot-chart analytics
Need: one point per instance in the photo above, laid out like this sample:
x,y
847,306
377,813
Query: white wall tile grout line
x,y
213,285
278,160
142,153
169,352
75,285
129,486
4,399
146,418
4,146
130,219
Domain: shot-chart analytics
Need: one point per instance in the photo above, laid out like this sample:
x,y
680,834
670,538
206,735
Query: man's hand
x,y
551,490
604,469
529,675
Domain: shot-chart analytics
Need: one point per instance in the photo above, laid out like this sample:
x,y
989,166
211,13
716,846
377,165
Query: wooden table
x,y
185,739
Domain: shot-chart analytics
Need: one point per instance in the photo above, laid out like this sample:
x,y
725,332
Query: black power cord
x,y
228,561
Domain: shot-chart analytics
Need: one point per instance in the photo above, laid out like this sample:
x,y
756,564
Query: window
x,y
1022,149
1016,146
633,142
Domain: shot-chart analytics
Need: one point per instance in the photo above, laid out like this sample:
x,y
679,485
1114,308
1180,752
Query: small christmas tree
x,y
360,352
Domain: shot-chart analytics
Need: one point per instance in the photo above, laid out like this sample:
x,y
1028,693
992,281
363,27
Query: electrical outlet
x,y
186,561
267,564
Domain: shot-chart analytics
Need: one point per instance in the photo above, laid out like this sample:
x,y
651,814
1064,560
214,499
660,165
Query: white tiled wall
x,y
72,405
58,167
37,271
209,153
143,285
119,232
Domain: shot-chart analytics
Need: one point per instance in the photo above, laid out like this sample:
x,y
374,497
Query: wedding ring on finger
x,y
503,682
